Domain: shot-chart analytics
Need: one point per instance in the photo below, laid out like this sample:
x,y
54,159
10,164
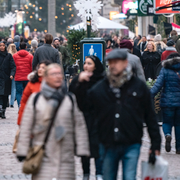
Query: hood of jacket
x,y
175,38
173,63
22,53
171,48
162,44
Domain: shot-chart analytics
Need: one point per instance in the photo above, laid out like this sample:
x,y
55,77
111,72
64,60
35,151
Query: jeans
x,y
13,93
20,86
3,101
171,117
129,156
98,163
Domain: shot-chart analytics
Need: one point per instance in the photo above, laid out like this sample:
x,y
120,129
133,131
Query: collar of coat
x,y
170,62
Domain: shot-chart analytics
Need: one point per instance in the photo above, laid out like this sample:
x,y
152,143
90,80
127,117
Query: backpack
x,y
159,49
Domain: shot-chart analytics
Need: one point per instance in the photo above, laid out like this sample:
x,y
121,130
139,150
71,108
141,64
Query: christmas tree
x,y
37,15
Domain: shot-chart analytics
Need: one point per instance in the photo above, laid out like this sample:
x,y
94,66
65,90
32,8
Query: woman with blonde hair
x,y
150,59
12,50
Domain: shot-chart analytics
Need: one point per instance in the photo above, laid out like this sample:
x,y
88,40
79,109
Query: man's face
x,y
54,78
115,38
56,43
116,66
144,39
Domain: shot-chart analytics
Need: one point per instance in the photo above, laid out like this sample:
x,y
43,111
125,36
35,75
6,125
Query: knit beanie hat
x,y
157,38
17,38
170,43
34,43
126,44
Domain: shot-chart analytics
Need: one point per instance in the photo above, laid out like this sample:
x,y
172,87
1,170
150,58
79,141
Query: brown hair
x,y
154,46
173,33
12,49
48,38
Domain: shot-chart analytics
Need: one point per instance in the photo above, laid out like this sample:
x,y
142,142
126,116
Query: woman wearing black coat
x,y
93,72
150,60
7,73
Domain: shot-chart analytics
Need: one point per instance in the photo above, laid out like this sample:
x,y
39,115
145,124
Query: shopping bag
x,y
159,171
16,141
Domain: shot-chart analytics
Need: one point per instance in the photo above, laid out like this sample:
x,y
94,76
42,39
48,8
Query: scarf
x,y
120,80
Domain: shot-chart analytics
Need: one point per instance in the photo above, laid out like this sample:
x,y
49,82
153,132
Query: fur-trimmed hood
x,y
173,63
163,45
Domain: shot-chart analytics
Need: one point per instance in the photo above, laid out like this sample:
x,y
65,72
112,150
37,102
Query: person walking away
x,y
133,59
122,103
63,51
7,73
175,38
34,45
9,41
46,52
93,72
17,41
150,59
12,50
142,44
33,86
23,61
160,45
169,50
69,128
169,82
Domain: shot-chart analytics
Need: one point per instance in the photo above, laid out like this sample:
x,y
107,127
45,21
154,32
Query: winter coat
x,y
65,55
80,90
30,88
167,52
23,61
160,47
58,161
7,69
125,115
177,41
150,60
136,65
170,82
45,52
17,45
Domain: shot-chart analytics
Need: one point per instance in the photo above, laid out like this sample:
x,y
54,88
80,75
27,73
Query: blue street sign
x,y
95,49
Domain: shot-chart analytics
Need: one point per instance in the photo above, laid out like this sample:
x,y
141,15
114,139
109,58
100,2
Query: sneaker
x,y
168,143
99,177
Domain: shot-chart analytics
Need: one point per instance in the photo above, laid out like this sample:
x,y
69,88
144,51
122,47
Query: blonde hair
x,y
154,46
12,49
53,65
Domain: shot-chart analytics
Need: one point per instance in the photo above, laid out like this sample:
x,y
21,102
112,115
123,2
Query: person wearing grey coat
x,y
46,52
133,59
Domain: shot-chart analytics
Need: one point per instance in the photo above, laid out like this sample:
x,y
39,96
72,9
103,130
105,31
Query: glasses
x,y
55,74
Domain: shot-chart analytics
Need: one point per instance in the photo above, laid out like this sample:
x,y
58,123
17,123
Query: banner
x,y
143,7
167,28
151,30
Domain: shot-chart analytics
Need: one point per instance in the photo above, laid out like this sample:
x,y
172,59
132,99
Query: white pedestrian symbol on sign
x,y
91,51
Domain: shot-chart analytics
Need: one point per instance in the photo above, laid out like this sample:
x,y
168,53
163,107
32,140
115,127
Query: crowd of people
x,y
100,115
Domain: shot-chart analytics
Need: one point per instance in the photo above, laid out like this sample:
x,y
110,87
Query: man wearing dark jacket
x,y
121,103
46,52
175,38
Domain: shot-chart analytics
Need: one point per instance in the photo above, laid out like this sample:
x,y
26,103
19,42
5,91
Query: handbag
x,y
35,154
16,141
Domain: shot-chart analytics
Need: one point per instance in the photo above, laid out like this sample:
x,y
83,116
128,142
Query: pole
x,y
19,4
89,27
9,5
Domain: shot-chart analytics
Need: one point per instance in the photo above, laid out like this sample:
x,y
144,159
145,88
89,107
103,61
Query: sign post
x,y
92,46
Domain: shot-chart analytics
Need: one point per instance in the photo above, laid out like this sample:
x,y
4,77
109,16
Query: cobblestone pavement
x,y
10,168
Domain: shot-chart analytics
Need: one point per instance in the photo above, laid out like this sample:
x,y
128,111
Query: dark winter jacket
x,y
45,52
170,82
80,90
150,60
7,69
121,121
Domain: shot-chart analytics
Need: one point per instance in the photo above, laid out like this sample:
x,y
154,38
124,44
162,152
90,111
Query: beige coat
x,y
58,161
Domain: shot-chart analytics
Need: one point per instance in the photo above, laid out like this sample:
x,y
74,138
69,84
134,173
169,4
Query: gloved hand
x,y
21,158
152,158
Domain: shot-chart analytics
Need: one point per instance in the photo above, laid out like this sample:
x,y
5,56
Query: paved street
x,y
10,168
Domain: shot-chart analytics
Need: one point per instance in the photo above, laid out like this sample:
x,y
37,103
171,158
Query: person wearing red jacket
x,y
33,86
169,50
23,61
